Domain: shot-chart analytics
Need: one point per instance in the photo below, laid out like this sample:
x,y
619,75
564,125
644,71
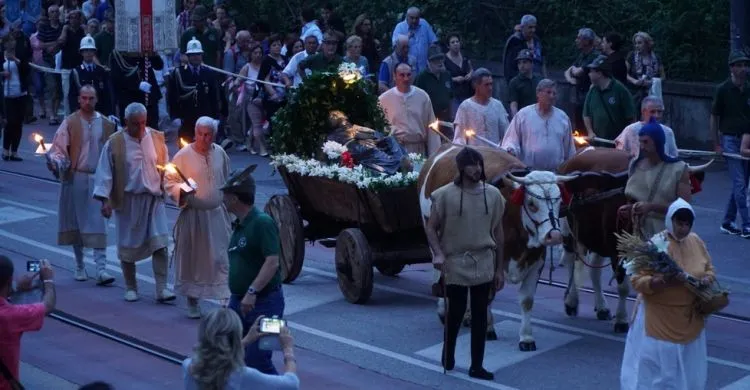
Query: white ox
x,y
530,226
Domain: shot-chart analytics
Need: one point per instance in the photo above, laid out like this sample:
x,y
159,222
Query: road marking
x,y
516,316
87,259
43,210
10,214
504,351
394,355
742,384
28,206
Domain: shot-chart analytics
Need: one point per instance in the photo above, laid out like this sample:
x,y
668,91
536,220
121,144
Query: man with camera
x,y
254,274
15,320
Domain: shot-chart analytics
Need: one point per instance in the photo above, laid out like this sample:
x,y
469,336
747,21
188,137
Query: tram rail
x,y
547,282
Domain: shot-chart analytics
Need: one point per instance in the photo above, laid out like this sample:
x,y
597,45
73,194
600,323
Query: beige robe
x,y
141,218
639,187
80,221
409,115
468,232
202,230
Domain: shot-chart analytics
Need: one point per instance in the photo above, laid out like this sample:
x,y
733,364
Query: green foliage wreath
x,y
300,127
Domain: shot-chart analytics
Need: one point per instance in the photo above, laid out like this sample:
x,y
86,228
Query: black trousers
x,y
456,296
15,112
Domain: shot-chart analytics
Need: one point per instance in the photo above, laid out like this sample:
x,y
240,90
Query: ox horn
x,y
519,180
700,168
564,178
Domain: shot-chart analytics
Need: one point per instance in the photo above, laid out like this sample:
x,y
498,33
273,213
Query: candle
x,y
468,133
38,138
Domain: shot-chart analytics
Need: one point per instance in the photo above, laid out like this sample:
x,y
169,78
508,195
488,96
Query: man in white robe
x,y
73,158
651,107
202,229
128,182
408,110
481,114
541,135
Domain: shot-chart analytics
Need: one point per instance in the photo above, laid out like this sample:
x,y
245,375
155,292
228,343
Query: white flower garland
x,y
359,175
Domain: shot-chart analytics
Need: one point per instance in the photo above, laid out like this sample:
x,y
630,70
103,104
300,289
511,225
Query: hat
x,y
194,47
435,53
241,182
200,13
525,54
738,56
87,43
599,63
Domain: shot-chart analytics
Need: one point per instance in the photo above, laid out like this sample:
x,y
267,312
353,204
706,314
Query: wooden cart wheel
x,y
390,269
354,266
283,210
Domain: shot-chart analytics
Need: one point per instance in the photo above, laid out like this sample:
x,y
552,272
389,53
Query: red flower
x,y
347,160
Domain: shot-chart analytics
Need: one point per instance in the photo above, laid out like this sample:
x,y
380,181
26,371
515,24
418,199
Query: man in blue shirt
x,y
420,35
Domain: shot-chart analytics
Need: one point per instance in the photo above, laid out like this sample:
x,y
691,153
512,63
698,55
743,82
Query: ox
x,y
590,224
531,221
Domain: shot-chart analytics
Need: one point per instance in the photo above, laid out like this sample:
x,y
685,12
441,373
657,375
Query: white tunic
x,y
541,143
203,228
142,220
80,221
489,121
628,140
409,115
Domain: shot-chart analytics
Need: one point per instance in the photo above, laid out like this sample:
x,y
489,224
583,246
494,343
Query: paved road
x,y
391,342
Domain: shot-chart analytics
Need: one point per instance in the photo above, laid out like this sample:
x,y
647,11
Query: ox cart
x,y
369,228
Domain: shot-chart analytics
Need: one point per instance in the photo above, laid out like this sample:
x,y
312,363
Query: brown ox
x,y
591,220
529,228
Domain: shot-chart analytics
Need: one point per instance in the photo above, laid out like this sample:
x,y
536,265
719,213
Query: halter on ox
x,y
530,209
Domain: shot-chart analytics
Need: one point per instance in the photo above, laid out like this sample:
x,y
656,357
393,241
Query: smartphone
x,y
33,265
271,325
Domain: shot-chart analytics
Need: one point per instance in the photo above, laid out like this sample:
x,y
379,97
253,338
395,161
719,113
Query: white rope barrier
x,y
218,70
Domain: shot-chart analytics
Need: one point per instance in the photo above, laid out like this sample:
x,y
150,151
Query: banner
x,y
145,26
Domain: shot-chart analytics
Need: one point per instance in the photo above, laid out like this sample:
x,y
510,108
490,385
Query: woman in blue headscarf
x,y
656,180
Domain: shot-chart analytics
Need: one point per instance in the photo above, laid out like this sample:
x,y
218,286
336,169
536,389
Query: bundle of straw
x,y
651,257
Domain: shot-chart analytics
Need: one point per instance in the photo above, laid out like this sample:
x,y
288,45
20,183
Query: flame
x,y
579,139
469,133
38,138
183,143
169,168
434,125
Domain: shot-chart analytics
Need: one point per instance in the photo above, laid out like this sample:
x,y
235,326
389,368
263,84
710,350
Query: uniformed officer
x,y
254,273
194,91
134,81
90,73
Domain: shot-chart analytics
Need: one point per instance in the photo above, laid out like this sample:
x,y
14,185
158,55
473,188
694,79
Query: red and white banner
x,y
144,26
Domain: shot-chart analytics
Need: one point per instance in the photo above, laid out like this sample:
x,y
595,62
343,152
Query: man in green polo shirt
x,y
609,106
208,36
254,273
436,81
730,119
327,60
522,88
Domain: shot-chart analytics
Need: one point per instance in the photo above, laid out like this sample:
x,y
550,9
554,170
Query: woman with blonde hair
x,y
218,360
643,66
364,29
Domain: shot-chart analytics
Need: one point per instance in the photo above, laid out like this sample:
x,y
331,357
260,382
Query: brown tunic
x,y
468,239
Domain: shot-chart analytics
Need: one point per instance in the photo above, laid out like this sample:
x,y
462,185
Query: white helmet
x,y
87,43
194,47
